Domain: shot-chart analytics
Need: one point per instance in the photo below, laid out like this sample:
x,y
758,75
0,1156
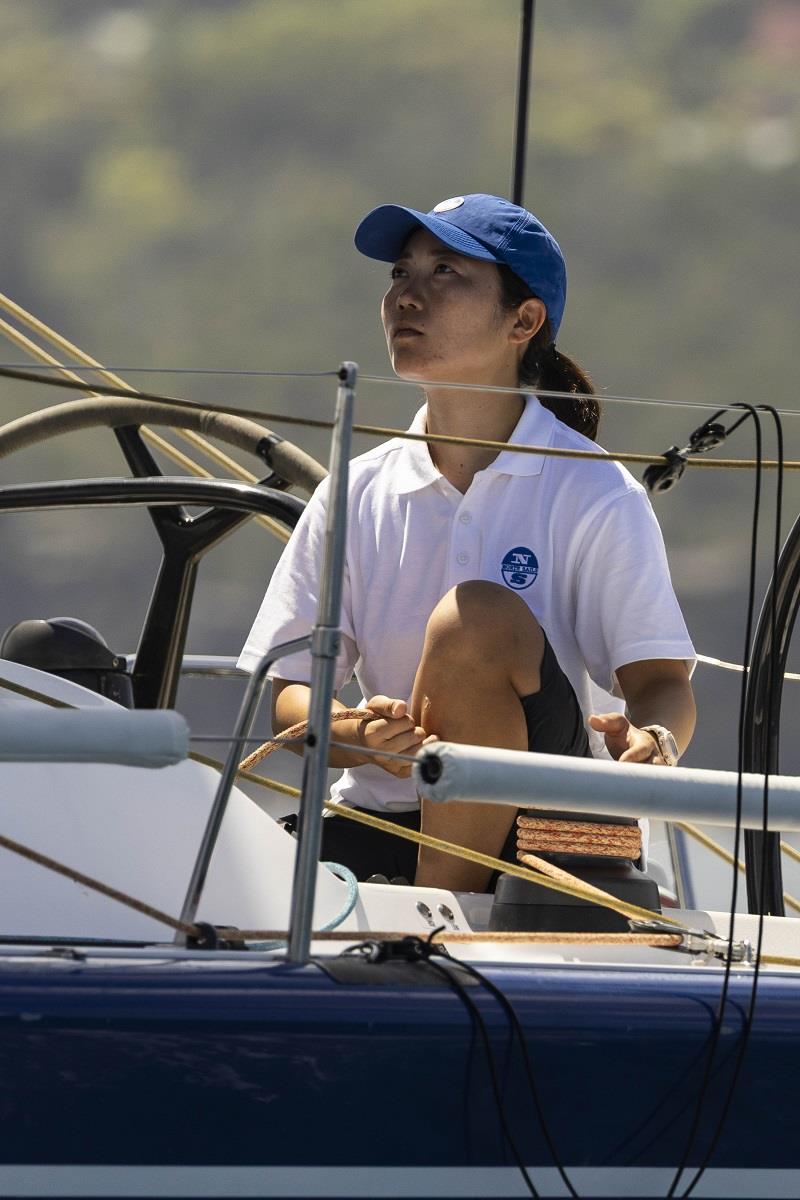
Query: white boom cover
x,y
590,785
143,738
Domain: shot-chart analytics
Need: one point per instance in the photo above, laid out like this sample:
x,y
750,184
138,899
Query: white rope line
x,y
729,666
531,389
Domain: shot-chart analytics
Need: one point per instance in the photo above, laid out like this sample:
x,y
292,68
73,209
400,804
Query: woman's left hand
x,y
625,742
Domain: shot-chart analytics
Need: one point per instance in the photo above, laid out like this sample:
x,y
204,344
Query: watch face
x,y
669,747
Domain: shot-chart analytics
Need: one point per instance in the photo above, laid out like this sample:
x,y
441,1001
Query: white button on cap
x,y
463,557
449,205
465,518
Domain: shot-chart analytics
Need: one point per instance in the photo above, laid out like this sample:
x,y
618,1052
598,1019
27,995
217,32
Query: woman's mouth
x,y
405,331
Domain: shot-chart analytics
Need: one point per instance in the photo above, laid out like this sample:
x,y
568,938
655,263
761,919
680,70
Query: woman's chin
x,y
407,365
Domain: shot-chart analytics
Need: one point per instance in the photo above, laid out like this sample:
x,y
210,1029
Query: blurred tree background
x,y
182,182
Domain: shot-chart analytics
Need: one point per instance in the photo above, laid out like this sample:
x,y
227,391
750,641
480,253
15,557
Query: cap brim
x,y
384,232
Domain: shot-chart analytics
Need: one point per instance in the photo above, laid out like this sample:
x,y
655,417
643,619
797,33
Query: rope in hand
x,y
296,732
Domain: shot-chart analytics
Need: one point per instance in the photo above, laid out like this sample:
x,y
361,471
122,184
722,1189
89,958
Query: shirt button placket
x,y
465,547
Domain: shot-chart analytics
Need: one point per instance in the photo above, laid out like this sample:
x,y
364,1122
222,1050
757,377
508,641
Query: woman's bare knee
x,y
491,627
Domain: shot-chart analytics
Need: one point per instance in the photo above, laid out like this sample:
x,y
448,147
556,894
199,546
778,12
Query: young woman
x,y
493,598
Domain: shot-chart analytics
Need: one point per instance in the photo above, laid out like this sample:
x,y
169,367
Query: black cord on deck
x,y
415,949
513,1020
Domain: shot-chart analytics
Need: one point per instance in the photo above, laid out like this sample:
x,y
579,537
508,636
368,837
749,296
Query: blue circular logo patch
x,y
520,568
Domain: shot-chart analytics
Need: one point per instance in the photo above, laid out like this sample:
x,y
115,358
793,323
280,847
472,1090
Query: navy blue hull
x,y
170,1065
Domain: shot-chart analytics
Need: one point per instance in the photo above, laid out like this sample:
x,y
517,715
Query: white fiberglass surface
x,y
139,831
47,685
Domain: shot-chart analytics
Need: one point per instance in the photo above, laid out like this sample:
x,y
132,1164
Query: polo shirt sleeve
x,y
289,607
625,606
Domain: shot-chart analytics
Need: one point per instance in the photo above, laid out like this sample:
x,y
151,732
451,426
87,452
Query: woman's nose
x,y
409,296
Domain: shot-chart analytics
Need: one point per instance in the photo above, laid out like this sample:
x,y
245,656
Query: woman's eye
x,y
397,273
443,267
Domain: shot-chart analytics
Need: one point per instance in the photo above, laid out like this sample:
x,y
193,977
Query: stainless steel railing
x,y
324,643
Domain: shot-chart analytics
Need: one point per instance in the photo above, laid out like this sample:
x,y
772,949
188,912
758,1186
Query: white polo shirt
x,y
577,540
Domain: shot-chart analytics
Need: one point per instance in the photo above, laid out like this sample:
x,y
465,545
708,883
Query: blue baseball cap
x,y
478,226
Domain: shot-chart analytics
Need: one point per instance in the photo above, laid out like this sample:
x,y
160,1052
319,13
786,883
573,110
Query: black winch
x,y
73,650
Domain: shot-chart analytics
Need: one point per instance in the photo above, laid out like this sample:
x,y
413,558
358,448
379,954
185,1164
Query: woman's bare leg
x,y
483,651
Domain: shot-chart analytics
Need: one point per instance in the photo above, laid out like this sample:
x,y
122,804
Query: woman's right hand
x,y
390,728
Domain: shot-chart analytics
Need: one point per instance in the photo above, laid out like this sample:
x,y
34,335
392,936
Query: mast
x,y
528,16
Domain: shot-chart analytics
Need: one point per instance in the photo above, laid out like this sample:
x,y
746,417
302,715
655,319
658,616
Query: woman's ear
x,y
531,316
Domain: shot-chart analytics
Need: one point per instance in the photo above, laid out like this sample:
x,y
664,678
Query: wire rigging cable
x,y
415,384
385,431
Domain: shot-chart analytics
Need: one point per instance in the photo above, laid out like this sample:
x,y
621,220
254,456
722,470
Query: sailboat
x,y
193,1005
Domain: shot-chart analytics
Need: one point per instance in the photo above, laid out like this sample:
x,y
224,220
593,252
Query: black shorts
x,y
553,715
555,726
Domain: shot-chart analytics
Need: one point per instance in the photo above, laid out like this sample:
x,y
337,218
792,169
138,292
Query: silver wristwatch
x,y
667,746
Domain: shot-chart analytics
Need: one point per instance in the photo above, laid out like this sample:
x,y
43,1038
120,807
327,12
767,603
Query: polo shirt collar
x,y
415,468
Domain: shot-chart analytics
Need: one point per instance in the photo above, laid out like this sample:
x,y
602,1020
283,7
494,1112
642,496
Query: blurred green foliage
x,y
182,179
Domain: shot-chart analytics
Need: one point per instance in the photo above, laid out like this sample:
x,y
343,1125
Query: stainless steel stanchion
x,y
324,649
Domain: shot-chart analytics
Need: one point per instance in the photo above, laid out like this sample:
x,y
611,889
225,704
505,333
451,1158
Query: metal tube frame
x,y
324,649
244,723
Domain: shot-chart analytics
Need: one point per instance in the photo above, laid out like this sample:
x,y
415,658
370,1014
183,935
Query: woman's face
x,y
443,319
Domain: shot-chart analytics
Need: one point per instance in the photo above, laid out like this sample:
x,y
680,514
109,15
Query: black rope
x,y
772,697
480,1025
427,950
516,1029
720,1013
415,949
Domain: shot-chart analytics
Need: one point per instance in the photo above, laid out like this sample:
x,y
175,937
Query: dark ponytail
x,y
544,367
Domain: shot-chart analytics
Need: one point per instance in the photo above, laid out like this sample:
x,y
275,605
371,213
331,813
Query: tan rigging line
x,y
721,852
386,431
241,935
297,731
155,440
42,355
790,851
